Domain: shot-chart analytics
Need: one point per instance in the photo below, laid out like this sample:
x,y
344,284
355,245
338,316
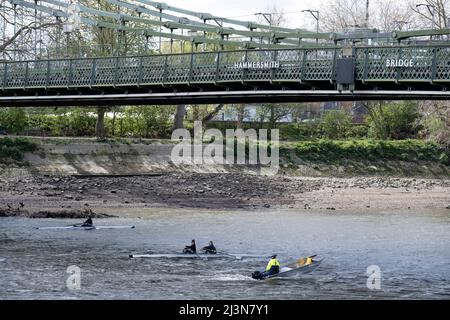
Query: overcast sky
x,y
245,9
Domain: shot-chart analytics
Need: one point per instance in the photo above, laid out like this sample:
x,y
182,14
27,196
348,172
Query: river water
x,y
412,250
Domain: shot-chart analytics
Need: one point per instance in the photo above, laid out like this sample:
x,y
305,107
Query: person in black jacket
x,y
192,249
87,223
211,249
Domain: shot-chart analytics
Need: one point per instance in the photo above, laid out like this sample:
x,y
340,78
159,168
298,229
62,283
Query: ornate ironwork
x,y
406,64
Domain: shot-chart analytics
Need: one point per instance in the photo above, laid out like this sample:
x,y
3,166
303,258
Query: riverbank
x,y
316,158
69,178
133,196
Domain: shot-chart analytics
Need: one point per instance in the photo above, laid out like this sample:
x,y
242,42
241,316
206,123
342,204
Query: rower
x,y
211,249
273,267
192,249
87,223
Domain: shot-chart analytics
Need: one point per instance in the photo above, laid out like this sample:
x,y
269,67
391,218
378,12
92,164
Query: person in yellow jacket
x,y
273,267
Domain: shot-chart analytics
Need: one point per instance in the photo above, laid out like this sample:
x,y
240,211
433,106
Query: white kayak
x,y
199,256
2,259
86,227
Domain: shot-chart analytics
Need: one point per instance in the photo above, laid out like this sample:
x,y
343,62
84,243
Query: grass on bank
x,y
330,151
323,150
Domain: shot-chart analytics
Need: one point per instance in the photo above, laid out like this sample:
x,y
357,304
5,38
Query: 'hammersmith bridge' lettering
x,y
257,65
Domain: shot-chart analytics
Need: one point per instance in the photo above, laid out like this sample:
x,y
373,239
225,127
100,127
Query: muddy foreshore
x,y
34,195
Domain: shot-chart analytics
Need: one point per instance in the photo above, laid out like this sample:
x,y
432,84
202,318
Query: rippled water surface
x,y
412,249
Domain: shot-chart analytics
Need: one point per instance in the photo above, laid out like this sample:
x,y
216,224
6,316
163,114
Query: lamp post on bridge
x,y
267,16
316,15
67,29
432,12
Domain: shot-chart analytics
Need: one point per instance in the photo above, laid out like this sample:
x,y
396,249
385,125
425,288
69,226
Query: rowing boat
x,y
86,227
237,256
297,268
292,269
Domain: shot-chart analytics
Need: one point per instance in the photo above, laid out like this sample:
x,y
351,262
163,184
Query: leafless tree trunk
x,y
114,123
100,125
241,113
179,117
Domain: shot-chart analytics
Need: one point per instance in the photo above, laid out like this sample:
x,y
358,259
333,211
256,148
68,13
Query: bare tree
x,y
436,121
275,16
19,30
391,15
432,13
339,15
385,15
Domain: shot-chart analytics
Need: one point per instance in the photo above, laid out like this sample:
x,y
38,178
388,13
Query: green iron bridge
x,y
278,75
273,64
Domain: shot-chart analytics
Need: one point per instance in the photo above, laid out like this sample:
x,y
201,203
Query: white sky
x,y
245,9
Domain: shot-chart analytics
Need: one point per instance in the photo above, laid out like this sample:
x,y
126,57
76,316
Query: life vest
x,y
272,262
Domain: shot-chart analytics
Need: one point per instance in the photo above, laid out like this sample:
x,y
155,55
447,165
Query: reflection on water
x,y
412,250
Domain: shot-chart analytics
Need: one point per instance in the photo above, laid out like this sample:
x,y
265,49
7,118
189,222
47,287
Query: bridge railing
x,y
382,64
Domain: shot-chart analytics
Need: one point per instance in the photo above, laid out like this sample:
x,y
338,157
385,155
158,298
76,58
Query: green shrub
x,y
14,148
335,124
13,119
406,150
291,131
393,121
357,131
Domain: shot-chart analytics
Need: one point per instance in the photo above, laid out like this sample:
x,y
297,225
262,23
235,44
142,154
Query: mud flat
x,y
66,196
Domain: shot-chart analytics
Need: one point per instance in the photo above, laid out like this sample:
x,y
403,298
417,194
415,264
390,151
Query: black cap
x,y
274,256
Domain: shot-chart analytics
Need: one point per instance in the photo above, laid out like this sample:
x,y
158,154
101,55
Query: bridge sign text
x,y
407,63
257,65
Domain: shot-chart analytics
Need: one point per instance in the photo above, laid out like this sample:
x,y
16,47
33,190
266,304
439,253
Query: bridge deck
x,y
411,71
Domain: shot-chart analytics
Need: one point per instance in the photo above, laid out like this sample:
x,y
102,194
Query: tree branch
x,y
24,30
212,113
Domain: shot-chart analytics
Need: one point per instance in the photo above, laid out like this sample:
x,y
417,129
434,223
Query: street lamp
x,y
267,16
432,12
316,16
68,29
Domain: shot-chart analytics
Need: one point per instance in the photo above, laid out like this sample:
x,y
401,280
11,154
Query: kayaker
x,y
211,249
192,249
273,267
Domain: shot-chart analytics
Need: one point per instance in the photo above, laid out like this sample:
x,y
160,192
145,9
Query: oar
x,y
230,255
198,256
